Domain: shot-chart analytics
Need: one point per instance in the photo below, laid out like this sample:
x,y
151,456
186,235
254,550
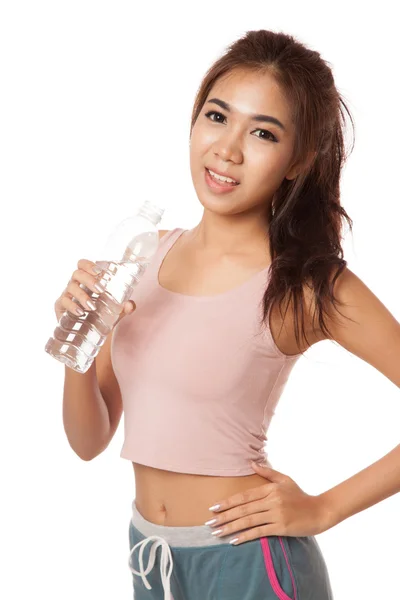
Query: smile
x,y
217,186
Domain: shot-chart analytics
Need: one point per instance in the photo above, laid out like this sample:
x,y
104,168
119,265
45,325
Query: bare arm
x,y
374,336
92,403
85,414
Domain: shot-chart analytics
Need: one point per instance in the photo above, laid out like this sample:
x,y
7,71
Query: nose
x,y
227,147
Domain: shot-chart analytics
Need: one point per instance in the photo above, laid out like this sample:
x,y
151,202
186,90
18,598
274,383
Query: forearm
x,y
85,414
368,487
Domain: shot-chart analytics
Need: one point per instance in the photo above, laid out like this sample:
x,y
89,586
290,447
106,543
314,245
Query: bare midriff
x,y
182,499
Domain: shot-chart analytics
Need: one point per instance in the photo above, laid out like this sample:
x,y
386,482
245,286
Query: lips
x,y
223,175
218,187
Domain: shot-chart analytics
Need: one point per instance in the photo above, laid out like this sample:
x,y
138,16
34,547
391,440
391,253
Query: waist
x,y
183,499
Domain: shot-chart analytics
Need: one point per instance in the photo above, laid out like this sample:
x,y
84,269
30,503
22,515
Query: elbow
x,y
87,452
84,455
91,454
86,458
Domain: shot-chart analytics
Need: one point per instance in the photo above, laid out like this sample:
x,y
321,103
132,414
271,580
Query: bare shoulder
x,y
364,325
345,280
352,296
107,381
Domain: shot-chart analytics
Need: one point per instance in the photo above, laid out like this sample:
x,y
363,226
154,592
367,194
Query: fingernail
x,y
91,305
215,507
210,522
96,270
99,288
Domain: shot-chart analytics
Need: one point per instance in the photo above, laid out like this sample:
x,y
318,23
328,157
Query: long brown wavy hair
x,y
305,214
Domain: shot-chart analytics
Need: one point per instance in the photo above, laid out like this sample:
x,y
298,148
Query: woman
x,y
199,367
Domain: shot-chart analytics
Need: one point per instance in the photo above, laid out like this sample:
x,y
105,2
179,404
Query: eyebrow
x,y
258,118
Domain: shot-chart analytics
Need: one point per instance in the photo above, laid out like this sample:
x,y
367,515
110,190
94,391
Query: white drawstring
x,y
165,554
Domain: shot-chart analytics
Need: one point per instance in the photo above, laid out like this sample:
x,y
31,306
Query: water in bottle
x,y
77,340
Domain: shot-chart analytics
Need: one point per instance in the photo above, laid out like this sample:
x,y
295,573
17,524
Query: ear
x,y
300,166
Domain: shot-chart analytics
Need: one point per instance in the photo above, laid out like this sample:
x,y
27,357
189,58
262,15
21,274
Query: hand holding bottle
x,y
77,339
76,300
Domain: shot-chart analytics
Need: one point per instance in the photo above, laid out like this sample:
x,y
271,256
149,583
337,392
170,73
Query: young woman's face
x,y
255,153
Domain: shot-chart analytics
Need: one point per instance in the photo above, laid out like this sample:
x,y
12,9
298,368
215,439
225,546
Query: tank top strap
x,y
149,280
165,243
169,238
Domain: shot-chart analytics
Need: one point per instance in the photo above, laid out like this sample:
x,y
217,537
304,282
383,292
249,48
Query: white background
x,y
96,99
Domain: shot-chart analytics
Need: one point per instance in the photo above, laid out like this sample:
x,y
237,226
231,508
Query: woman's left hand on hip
x,y
279,507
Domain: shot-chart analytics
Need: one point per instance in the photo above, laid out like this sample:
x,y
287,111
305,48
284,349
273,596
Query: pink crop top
x,y
199,377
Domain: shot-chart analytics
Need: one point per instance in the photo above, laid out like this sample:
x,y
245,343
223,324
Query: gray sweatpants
x,y
188,563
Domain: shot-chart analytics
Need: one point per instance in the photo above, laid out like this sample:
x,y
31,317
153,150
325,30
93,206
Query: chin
x,y
220,205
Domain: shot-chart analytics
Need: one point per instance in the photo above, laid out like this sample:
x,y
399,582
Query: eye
x,y
214,112
272,138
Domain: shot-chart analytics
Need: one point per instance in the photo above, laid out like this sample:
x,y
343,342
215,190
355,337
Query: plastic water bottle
x,y
76,341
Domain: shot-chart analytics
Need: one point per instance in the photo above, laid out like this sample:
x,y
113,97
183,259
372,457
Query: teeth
x,y
220,177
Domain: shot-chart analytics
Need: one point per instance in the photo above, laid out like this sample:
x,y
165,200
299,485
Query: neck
x,y
224,234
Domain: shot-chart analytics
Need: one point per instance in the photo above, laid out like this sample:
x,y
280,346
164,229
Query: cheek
x,y
196,164
197,151
268,173
261,181
199,136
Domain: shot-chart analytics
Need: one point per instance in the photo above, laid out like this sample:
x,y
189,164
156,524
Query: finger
x,y
245,523
243,511
66,303
244,497
73,306
269,473
256,533
84,299
87,280
129,306
127,309
88,275
89,266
